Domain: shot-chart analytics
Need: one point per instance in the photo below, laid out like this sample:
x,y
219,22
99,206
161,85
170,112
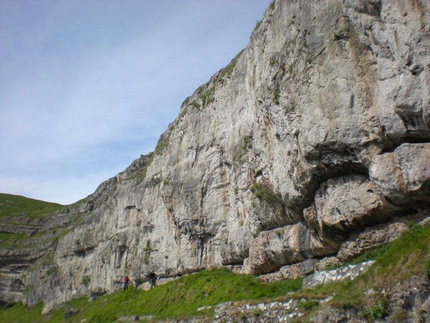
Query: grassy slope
x,y
395,263
410,255
19,210
12,206
178,298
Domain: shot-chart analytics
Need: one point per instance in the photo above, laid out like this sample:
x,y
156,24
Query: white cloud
x,y
88,86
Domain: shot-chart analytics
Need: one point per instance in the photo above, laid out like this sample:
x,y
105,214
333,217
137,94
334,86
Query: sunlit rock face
x,y
316,131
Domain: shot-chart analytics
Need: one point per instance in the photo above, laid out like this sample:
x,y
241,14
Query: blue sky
x,y
86,86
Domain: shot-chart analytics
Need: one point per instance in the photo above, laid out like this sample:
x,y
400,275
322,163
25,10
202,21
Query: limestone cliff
x,y
311,146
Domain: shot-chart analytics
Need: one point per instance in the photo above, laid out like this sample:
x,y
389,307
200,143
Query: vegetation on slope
x,y
183,297
12,206
179,298
17,217
396,262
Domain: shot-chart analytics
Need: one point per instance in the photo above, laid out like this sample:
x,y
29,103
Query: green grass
x,y
272,5
178,298
18,313
276,96
11,236
181,298
377,310
257,25
19,210
14,205
12,239
426,267
228,70
246,140
140,174
160,146
208,96
394,263
195,104
264,191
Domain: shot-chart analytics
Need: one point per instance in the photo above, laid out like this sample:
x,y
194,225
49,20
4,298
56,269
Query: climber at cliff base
x,y
152,277
126,282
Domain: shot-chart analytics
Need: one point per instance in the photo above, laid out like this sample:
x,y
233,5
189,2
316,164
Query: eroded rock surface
x,y
316,131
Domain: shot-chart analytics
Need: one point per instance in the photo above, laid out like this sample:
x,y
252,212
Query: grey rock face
x,y
368,239
403,176
316,131
343,205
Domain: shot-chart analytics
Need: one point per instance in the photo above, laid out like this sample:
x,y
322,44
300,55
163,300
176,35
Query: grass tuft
x,y
264,191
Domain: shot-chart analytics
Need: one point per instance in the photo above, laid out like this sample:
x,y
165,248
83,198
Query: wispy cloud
x,y
88,86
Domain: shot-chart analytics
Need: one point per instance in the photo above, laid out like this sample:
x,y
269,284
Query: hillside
x,y
29,232
310,148
13,206
20,217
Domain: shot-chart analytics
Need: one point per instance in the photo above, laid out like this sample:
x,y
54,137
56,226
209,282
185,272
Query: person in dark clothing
x,y
152,277
126,282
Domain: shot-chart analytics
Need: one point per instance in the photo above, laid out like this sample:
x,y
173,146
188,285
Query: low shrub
x,y
375,311
264,191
